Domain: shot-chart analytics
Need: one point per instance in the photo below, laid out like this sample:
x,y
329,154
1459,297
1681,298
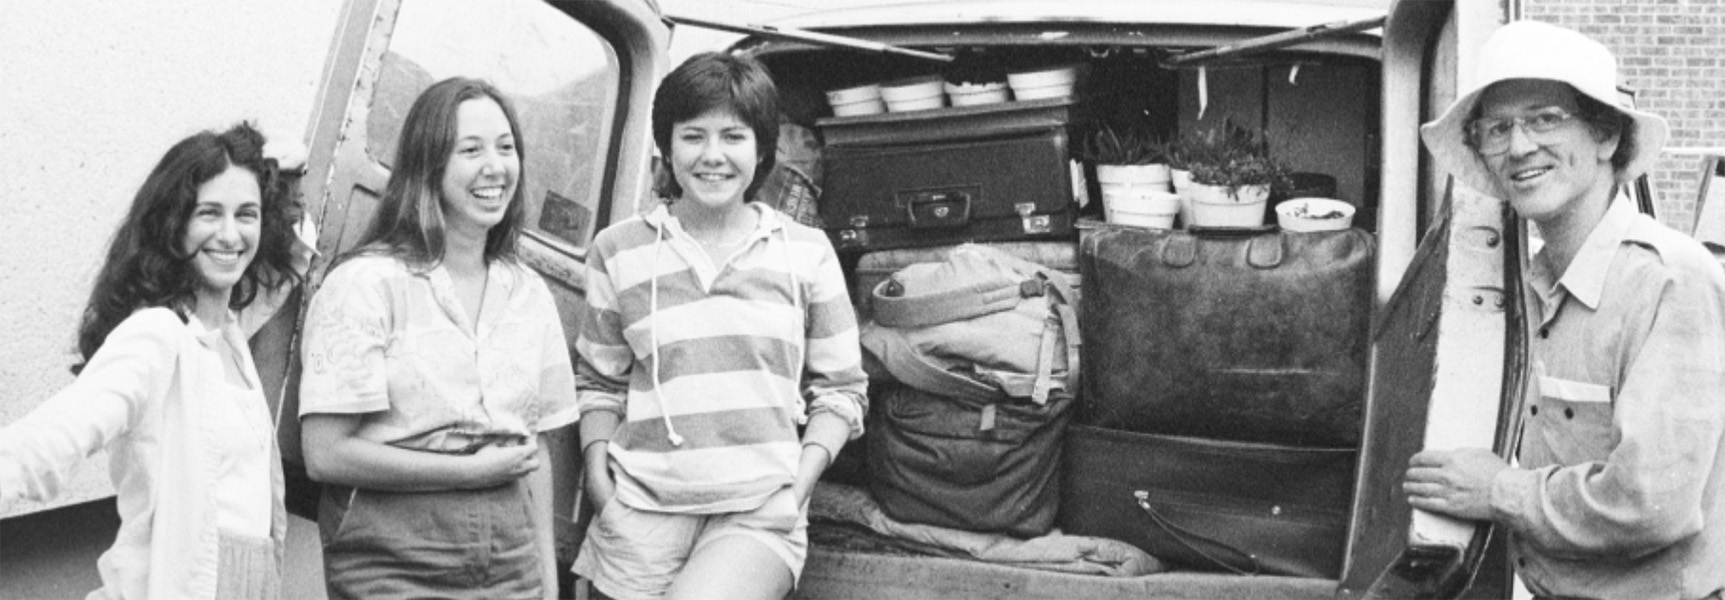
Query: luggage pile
x,y
1202,399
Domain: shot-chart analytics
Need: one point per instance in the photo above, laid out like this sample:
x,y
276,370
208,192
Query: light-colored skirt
x,y
248,569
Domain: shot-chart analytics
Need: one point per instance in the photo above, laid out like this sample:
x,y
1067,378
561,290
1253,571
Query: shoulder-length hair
x,y
147,264
409,223
718,81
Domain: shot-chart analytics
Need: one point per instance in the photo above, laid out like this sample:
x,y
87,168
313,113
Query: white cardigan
x,y
143,396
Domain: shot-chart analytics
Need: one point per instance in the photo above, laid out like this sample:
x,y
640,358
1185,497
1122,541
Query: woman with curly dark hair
x,y
168,385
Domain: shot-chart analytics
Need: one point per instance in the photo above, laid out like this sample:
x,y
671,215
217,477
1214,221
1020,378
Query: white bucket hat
x,y
1534,50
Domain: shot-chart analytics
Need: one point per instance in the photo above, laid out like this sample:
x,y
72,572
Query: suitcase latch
x,y
947,207
856,236
852,238
1033,223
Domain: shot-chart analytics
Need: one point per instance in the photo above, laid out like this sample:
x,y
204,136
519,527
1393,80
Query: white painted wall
x,y
92,92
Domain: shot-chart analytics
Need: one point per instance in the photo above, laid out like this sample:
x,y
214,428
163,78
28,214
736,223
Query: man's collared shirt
x,y
1621,490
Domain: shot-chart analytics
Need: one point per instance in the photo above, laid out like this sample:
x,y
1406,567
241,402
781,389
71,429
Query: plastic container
x,y
1053,82
1059,90
856,101
1155,176
976,94
854,94
1314,214
1144,208
1215,206
1063,74
916,93
872,106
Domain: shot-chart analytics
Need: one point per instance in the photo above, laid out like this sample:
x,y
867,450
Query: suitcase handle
x,y
1180,534
1263,247
939,208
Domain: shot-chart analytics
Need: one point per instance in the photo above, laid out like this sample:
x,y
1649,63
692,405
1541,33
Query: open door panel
x,y
577,74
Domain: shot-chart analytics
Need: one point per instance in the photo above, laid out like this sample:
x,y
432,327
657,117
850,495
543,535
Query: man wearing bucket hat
x,y
1620,487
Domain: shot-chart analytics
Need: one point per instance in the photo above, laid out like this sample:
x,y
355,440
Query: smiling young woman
x,y
700,456
434,364
169,387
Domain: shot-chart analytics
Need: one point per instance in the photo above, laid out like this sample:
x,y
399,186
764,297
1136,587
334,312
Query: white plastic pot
x,y
1148,208
1059,90
916,93
976,94
1052,82
1314,214
1217,206
1154,176
854,94
1182,179
856,101
1063,74
871,106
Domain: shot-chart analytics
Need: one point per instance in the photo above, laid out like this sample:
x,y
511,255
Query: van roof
x,y
1246,13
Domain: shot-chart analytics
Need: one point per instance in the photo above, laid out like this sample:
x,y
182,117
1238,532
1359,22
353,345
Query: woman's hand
x,y
597,481
814,461
494,465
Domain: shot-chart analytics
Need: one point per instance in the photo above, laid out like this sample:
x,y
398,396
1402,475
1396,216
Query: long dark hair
x,y
408,223
147,265
715,80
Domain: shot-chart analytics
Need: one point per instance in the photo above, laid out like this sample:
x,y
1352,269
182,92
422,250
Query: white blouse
x,y
243,489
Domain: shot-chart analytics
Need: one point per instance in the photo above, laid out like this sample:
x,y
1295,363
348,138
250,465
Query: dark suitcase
x,y
1255,336
875,267
1210,504
996,172
963,464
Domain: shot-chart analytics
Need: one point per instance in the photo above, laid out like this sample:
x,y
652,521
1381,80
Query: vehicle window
x,y
561,76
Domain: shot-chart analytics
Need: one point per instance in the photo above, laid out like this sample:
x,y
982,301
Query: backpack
x,y
983,348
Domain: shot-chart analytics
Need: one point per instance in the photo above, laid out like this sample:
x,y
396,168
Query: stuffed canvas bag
x,y
983,350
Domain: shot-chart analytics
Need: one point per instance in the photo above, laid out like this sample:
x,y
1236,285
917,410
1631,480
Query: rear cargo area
x,y
1317,114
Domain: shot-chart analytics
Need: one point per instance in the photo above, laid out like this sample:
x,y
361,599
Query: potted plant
x,y
1232,175
1132,168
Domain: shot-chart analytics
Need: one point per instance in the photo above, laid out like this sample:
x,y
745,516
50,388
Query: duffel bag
x,y
1211,505
1258,337
964,464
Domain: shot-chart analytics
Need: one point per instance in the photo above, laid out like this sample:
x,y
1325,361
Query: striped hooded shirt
x,y
711,367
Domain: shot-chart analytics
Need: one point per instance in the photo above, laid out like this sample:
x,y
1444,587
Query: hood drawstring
x,y
653,334
800,412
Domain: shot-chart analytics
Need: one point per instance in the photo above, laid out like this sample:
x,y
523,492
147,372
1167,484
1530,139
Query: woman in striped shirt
x,y
719,369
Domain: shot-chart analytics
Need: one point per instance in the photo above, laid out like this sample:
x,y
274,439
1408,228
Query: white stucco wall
x,y
95,91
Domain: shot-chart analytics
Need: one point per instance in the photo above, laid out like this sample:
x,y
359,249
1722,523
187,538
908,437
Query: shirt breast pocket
x,y
1577,418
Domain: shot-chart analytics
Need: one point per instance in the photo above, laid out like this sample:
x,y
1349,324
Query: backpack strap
x,y
916,370
1063,321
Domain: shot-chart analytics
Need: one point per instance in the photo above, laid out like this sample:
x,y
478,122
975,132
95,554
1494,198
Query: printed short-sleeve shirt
x,y
393,343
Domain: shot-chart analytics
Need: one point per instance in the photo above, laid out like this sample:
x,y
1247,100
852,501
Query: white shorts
x,y
632,554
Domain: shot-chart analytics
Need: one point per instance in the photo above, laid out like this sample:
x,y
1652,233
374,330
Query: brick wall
x,y
1673,53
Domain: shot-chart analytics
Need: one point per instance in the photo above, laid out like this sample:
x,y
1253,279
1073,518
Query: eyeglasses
x,y
1491,135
